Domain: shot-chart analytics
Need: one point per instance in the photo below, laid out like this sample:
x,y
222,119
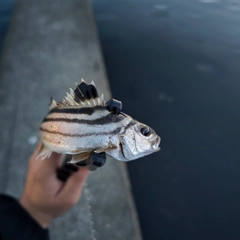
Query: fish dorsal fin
x,y
85,95
53,104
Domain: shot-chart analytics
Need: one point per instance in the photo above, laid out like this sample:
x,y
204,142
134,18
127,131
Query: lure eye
x,y
145,131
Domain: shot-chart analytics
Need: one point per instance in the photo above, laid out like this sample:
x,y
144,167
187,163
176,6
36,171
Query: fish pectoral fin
x,y
109,148
80,157
84,155
44,152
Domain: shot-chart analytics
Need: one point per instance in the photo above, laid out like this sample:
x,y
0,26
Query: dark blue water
x,y
6,9
176,66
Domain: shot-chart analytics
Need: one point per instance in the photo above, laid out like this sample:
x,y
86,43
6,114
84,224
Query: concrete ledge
x,y
50,46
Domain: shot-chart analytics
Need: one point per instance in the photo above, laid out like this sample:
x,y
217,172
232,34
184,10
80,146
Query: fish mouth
x,y
155,144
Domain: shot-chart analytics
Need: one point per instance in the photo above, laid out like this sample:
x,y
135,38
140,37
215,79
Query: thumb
x,y
72,189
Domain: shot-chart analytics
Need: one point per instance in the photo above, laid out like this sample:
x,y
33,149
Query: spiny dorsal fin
x,y
53,104
85,95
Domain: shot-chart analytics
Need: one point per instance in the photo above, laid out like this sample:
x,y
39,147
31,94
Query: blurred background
x,y
6,8
175,65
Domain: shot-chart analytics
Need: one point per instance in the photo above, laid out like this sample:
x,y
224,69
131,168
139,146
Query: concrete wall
x,y
50,46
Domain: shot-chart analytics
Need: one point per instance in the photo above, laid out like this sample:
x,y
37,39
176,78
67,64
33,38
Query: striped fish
x,y
82,124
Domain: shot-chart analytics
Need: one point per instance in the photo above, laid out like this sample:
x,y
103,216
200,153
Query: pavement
x,y
51,45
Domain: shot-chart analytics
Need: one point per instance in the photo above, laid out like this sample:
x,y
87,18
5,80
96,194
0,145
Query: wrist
x,y
40,217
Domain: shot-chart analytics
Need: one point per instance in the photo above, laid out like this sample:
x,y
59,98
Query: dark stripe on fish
x,y
121,113
83,110
131,123
99,121
117,130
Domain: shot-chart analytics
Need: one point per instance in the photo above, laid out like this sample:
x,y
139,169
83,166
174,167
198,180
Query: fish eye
x,y
145,131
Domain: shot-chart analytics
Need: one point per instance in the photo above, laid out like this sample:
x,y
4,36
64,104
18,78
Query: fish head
x,y
138,141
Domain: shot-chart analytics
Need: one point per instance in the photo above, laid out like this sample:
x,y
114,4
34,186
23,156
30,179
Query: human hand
x,y
45,197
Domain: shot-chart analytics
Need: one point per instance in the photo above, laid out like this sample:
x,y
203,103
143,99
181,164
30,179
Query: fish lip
x,y
156,143
157,149
155,137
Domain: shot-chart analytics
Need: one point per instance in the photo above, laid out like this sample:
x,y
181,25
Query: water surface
x,y
176,66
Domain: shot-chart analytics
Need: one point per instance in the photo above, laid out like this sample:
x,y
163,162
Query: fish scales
x,y
83,124
76,129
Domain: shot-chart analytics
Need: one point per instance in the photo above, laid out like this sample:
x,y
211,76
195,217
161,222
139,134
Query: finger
x,y
72,189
